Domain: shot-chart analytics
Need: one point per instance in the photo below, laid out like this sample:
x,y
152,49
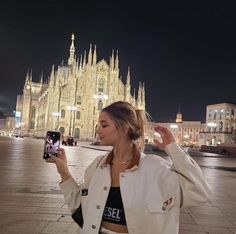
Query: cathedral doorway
x,y
62,130
77,133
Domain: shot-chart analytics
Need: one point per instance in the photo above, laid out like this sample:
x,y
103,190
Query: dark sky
x,y
185,52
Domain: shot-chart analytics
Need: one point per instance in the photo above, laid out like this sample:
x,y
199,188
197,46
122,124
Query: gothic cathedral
x,y
74,94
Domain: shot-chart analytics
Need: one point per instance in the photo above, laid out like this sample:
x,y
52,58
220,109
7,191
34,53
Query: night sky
x,y
185,52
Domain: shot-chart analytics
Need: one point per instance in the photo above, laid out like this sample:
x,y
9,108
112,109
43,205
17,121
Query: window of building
x,y
100,86
210,115
215,115
78,115
100,105
77,133
227,114
63,113
221,126
62,130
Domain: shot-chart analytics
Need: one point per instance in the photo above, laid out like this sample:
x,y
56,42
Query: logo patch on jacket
x,y
167,203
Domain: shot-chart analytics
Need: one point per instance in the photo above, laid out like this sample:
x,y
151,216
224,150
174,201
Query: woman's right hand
x,y
61,163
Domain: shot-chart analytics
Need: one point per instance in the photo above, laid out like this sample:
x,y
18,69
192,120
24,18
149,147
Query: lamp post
x,y
71,108
56,114
100,97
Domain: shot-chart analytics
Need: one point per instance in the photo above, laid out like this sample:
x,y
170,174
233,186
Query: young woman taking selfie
x,y
125,191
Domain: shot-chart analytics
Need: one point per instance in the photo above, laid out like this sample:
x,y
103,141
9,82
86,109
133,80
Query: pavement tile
x,y
49,210
212,220
217,230
206,210
233,230
56,227
186,218
31,202
192,232
23,226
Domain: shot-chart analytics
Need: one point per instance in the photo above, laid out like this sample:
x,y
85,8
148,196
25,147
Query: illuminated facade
x,y
71,99
186,133
220,124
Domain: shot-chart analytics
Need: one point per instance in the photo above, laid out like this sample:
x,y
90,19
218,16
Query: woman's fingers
x,y
165,134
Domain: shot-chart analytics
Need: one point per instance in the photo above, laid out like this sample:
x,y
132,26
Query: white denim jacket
x,y
152,192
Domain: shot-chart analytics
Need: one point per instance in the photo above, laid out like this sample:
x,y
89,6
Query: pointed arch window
x,y
78,115
100,86
63,113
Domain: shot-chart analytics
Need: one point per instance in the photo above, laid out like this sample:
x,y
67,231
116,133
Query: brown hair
x,y
124,113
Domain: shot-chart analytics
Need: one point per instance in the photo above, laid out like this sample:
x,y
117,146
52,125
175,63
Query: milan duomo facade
x,y
72,97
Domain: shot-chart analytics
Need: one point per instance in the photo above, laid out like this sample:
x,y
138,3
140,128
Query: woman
x,y
125,191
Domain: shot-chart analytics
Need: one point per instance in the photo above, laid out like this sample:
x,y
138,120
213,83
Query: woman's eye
x,y
104,126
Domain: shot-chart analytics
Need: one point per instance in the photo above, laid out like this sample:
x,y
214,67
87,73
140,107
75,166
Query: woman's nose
x,y
97,130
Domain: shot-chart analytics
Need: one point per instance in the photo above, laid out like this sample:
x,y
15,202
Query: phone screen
x,y
52,144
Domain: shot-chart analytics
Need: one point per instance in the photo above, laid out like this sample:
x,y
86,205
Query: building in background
x,y
71,99
186,132
220,124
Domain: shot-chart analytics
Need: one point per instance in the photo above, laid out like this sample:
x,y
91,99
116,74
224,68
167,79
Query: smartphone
x,y
52,144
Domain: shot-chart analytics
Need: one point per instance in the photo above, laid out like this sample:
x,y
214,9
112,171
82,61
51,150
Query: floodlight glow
x,y
72,108
211,124
56,114
173,126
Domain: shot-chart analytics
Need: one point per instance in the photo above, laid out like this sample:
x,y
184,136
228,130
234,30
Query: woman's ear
x,y
126,129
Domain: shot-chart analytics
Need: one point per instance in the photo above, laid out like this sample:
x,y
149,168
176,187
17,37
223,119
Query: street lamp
x,y
71,108
100,97
56,114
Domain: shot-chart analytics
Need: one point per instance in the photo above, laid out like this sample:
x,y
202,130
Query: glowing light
x,y
173,126
211,124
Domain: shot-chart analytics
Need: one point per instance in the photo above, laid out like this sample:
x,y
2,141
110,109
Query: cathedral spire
x,y
128,77
41,77
90,56
72,50
95,56
31,76
112,61
84,60
117,61
143,96
139,99
80,62
127,87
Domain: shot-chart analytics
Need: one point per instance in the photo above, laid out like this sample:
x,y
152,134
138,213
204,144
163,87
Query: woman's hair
x,y
124,113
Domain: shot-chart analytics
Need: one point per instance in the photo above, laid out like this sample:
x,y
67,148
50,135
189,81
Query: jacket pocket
x,y
162,206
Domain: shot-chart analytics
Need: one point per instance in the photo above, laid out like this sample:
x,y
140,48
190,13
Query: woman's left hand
x,y
166,136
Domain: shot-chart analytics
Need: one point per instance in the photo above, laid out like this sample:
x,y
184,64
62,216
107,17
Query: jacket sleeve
x,y
194,187
72,191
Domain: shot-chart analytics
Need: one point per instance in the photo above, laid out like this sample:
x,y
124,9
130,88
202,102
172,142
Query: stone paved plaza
x,y
30,200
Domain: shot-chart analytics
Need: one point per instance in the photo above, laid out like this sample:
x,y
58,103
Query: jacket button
x,y
105,188
93,226
163,208
98,207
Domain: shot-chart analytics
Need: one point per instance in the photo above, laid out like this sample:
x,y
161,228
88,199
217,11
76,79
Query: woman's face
x,y
108,133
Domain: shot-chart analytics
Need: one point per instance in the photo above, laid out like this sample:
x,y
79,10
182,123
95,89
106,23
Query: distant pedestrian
x,y
125,191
